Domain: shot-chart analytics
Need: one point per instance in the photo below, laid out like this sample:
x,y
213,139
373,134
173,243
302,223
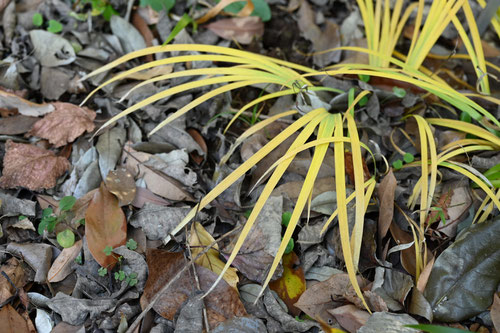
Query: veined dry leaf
x,y
121,183
241,29
61,267
15,272
292,284
11,321
386,191
26,108
221,304
31,167
105,225
350,317
199,238
66,123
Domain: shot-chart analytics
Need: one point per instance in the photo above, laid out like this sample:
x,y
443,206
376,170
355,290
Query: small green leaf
x,y
247,213
132,282
363,101
54,26
260,9
67,203
66,238
47,212
42,226
79,259
397,164
289,246
399,92
408,158
81,221
108,12
285,218
364,78
464,116
120,275
108,250
131,244
21,217
183,22
37,19
102,271
158,5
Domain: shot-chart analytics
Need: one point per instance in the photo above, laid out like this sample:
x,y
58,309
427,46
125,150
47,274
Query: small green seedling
x,y
65,238
407,158
158,5
54,26
37,19
399,92
260,9
289,246
79,260
108,250
102,271
364,77
131,244
285,218
397,164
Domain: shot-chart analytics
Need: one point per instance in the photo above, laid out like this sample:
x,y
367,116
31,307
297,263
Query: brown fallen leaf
x,y
198,239
495,312
15,272
66,123
201,142
105,225
121,183
222,303
31,167
61,267
386,191
292,284
143,195
350,317
241,29
11,321
16,125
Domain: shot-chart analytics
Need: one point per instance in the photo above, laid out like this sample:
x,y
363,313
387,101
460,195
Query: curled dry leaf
x,y
61,267
105,225
66,123
31,167
121,183
221,304
241,29
199,238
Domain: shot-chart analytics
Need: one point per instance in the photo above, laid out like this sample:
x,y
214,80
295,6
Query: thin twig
x,y
175,278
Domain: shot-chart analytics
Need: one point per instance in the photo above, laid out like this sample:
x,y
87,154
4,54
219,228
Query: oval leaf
x,y
465,276
105,225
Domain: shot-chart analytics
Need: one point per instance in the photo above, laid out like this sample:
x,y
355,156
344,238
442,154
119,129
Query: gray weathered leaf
x,y
109,147
465,276
129,37
385,322
50,49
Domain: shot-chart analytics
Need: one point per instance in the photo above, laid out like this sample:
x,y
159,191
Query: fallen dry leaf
x,y
222,303
31,167
16,125
15,272
386,191
350,317
11,321
241,29
61,267
11,101
199,238
105,225
292,284
66,123
495,312
143,195
201,142
121,183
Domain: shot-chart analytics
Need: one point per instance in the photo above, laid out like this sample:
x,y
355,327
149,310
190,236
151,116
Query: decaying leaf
x,y
292,284
15,272
121,183
386,191
221,304
66,123
495,312
241,29
38,257
11,321
61,267
50,49
350,317
105,225
16,125
465,275
31,167
199,238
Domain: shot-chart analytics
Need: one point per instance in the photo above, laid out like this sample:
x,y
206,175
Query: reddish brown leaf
x,y
495,312
121,183
31,167
201,142
11,321
66,123
292,284
105,225
241,29
222,303
350,317
386,192
349,168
